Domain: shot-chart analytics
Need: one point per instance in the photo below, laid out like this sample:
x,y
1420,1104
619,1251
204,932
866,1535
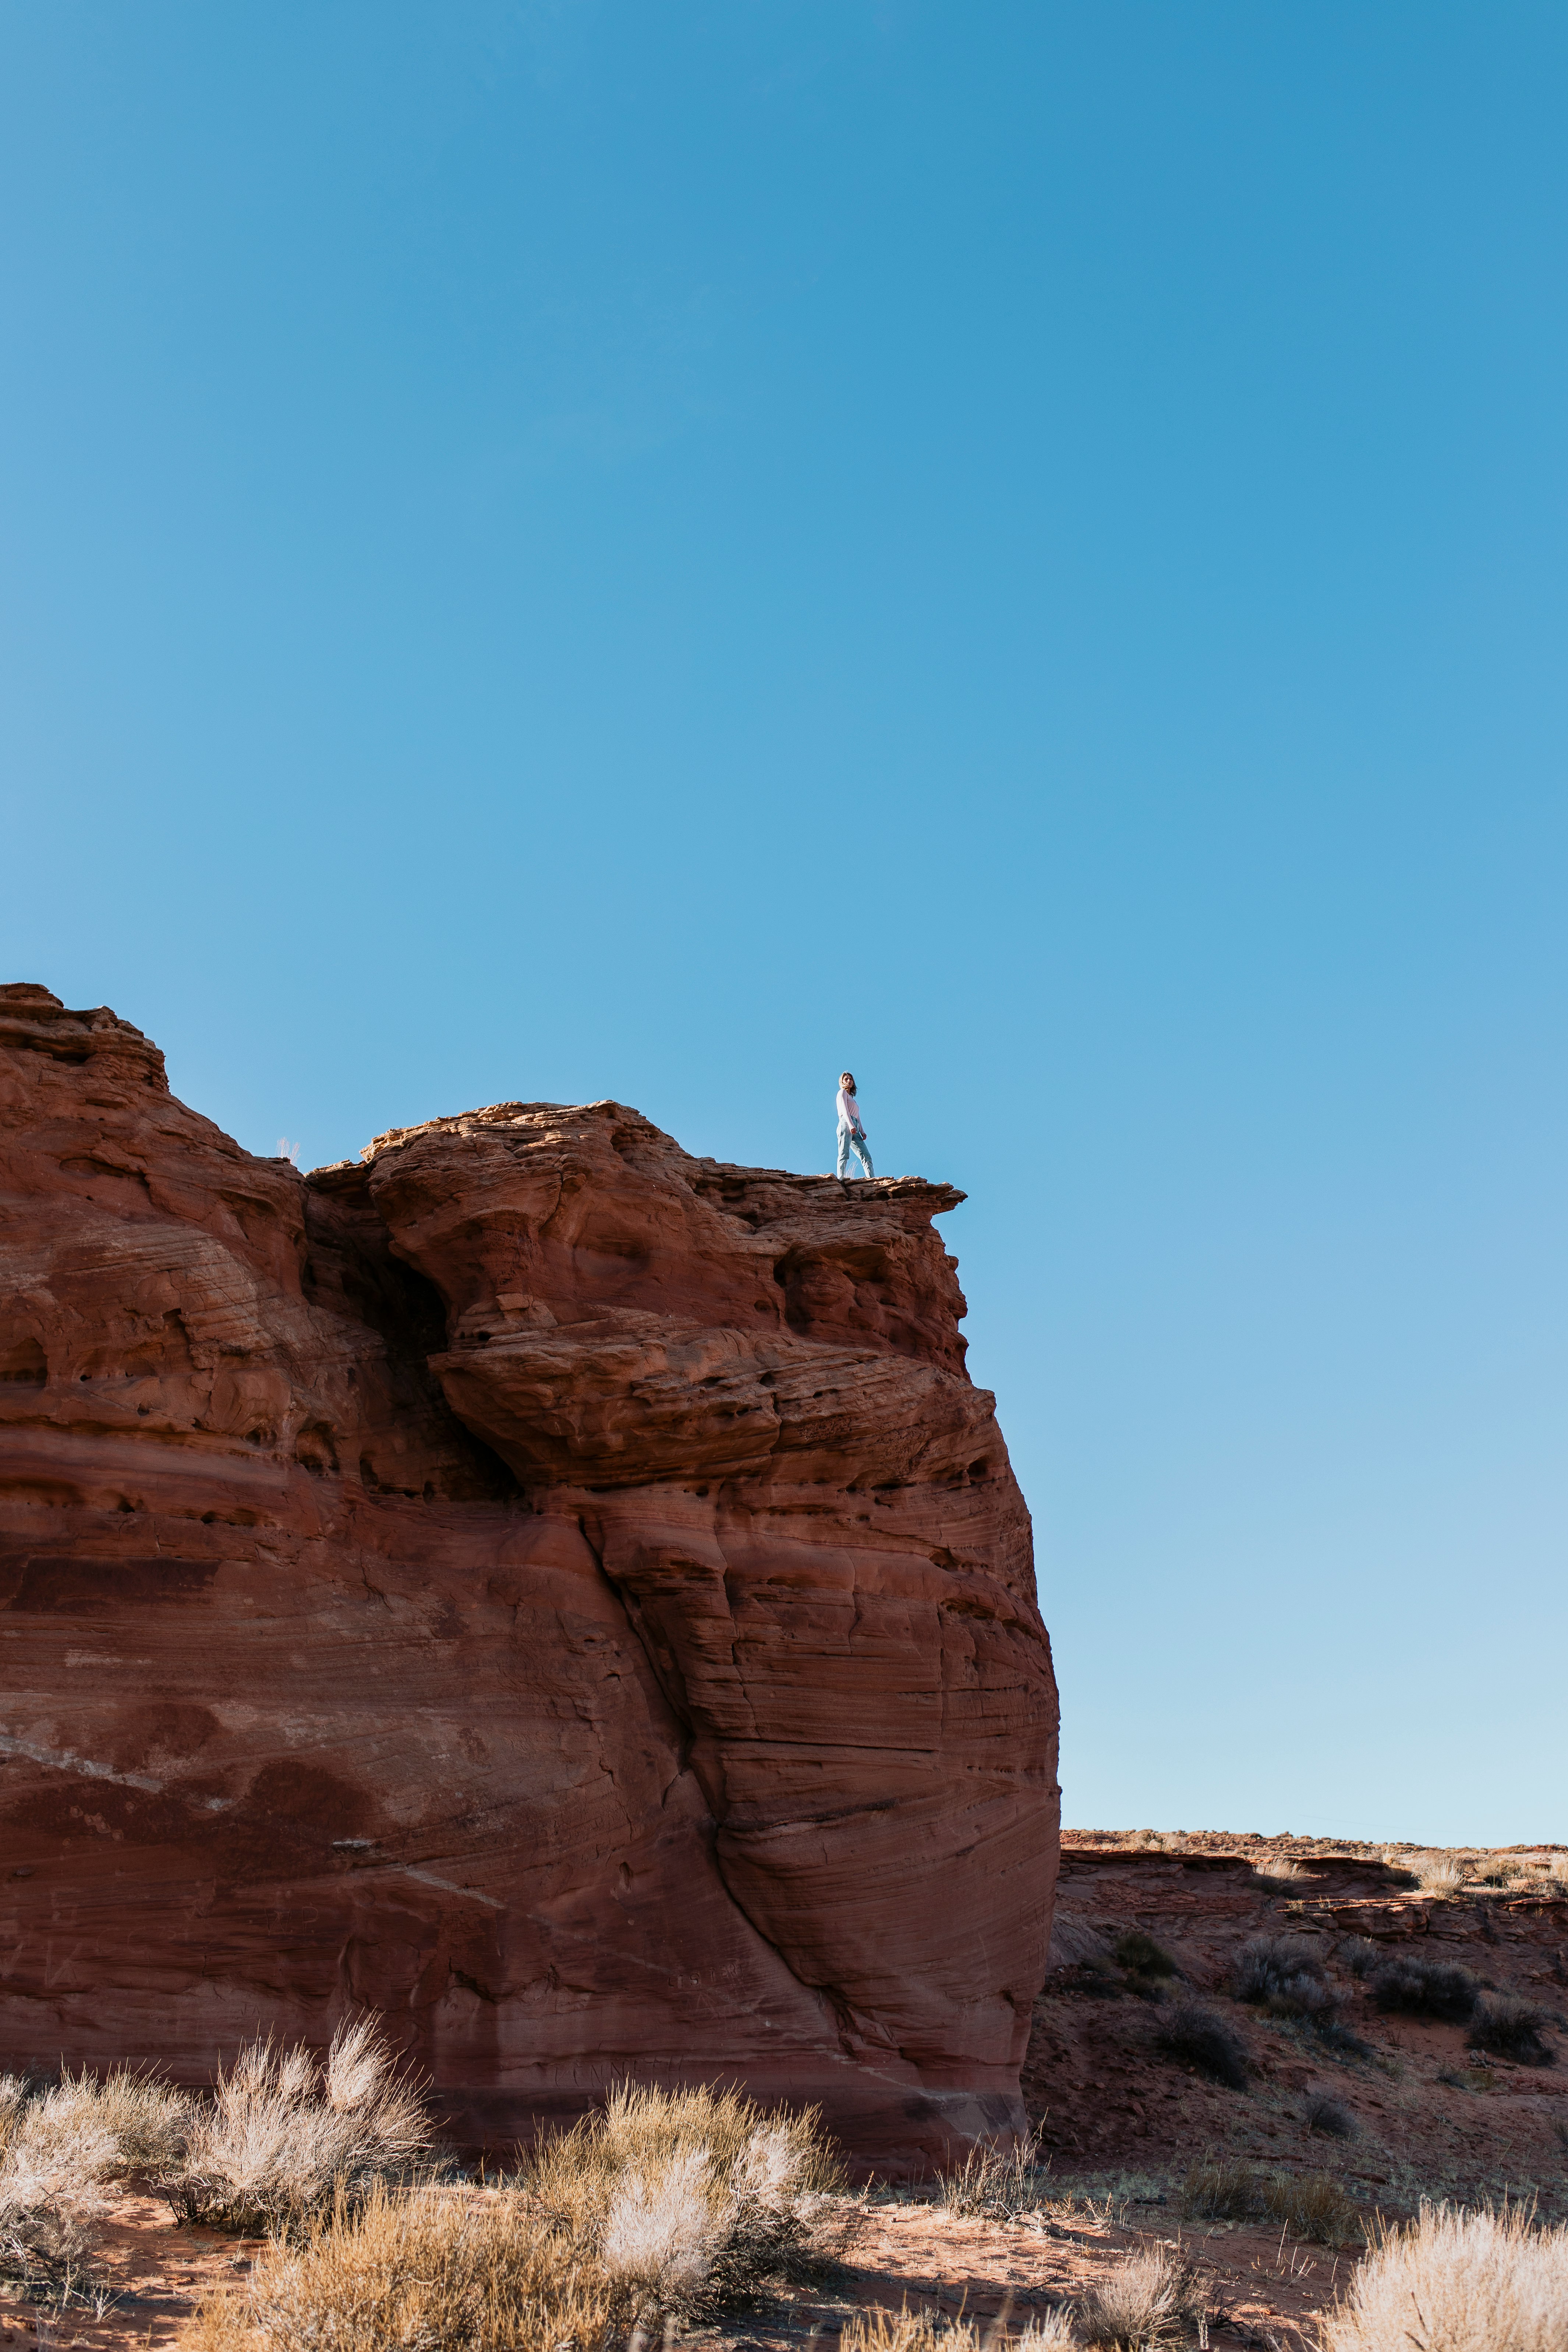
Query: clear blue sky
x,y
578,549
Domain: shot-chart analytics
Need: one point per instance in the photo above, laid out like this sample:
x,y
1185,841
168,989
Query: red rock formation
x,y
563,1592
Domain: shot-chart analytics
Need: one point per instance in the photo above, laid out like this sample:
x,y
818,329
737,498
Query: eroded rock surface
x,y
563,1592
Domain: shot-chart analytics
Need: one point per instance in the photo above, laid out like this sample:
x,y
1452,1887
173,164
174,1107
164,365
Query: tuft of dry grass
x,y
1278,1871
996,2182
423,2270
1437,1873
882,2330
665,2205
1458,2281
688,2198
1502,1873
1313,2204
283,2133
1149,2297
58,2146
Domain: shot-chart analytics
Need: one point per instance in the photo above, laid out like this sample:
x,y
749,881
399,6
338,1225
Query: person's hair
x,y
847,1078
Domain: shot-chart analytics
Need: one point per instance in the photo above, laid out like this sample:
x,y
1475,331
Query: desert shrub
x,y
1510,2028
1205,2040
880,2330
1278,1870
1458,2281
1425,1988
1144,2300
1284,1974
283,2133
1313,2204
1500,1874
1330,2116
1437,1873
686,2198
665,2204
1359,1955
1334,2034
58,2146
1264,1963
1045,2331
1141,1956
1557,1869
1220,2189
145,2119
996,2182
425,2270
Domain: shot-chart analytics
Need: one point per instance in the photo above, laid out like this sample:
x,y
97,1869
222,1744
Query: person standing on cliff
x,y
851,1134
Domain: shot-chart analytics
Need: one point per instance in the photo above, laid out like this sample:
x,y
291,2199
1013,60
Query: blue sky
x,y
580,548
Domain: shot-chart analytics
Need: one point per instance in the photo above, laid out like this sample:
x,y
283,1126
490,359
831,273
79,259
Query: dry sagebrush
x,y
58,2147
283,2133
1458,2281
1148,2298
686,2198
997,2181
665,2205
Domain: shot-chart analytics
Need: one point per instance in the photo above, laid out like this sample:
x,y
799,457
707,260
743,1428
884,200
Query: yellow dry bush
x,y
663,2203
1458,2281
1148,2298
882,2330
424,2270
1437,1873
687,2198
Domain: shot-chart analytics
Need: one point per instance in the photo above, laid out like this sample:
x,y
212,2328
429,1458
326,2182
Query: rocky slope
x,y
565,1594
1422,2112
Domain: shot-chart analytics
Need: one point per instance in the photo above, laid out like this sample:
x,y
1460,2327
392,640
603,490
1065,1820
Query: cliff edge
x,y
566,1594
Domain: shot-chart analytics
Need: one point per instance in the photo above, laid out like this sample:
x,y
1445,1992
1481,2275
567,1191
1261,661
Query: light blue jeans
x,y
848,1141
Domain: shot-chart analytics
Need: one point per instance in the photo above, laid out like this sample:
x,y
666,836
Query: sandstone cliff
x,y
565,1594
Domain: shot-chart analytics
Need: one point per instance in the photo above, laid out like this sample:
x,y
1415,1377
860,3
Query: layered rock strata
x,y
561,1592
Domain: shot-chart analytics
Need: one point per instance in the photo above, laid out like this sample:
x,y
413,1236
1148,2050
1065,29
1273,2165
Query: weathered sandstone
x,y
565,1594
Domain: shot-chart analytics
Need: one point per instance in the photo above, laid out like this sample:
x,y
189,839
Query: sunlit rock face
x,y
563,1593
